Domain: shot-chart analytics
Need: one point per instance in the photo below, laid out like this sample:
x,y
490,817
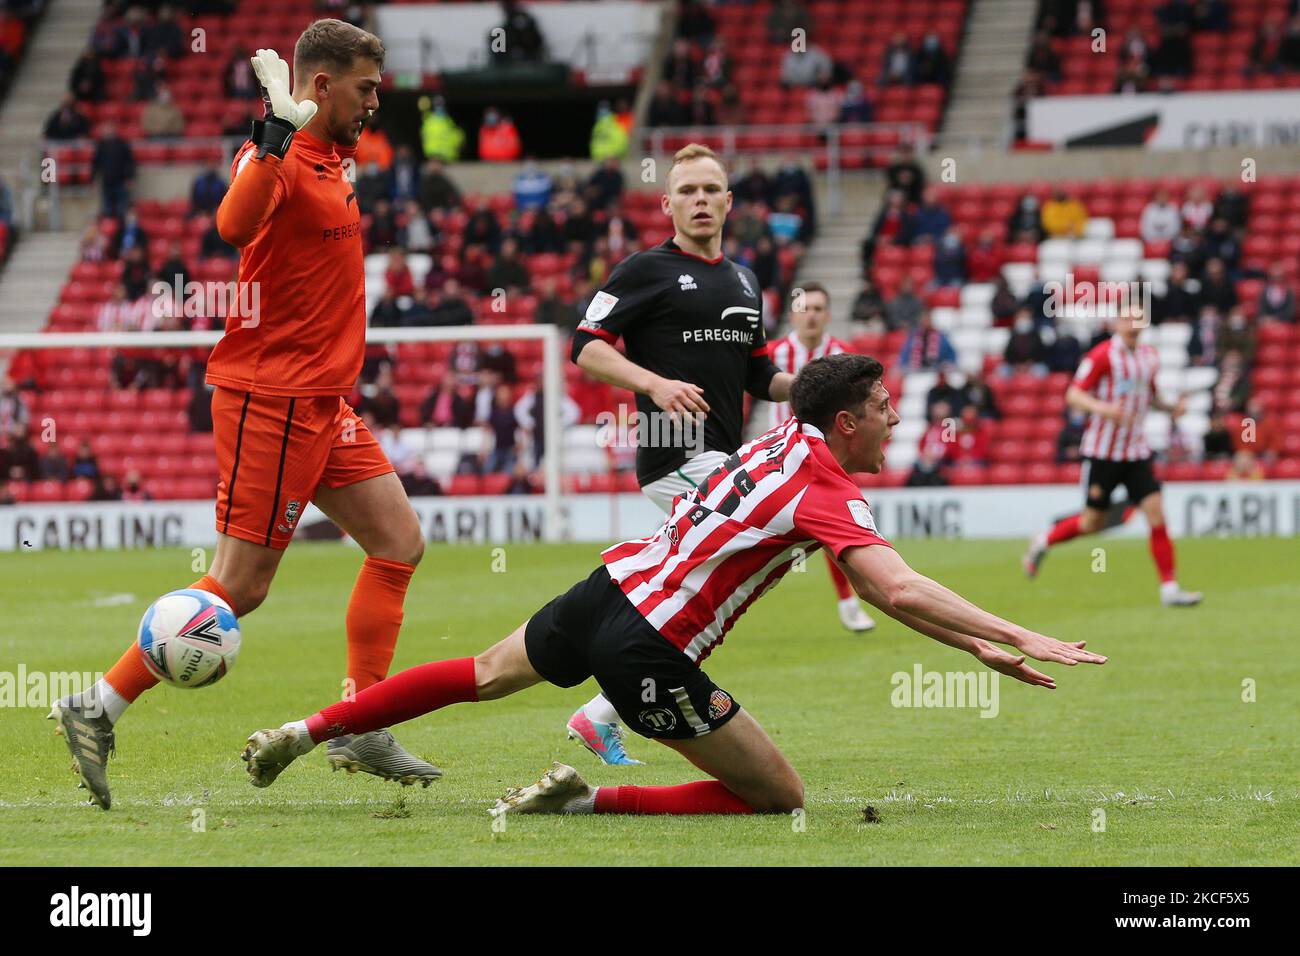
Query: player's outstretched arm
x,y
602,361
883,578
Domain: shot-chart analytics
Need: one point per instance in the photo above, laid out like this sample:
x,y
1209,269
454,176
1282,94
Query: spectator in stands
x,y
605,187
1131,78
904,174
1231,205
1277,298
24,460
784,17
451,307
699,108
96,245
893,223
578,226
164,36
503,427
1236,334
416,231
1064,216
107,489
120,314
1196,209
784,223
1064,350
133,487
950,260
1025,351
926,346
404,176
379,404
930,221
905,309
927,472
87,82
715,67
972,440
471,272
609,140
869,307
532,187
802,68
7,492
162,118
1188,248
1217,288
898,62
1289,53
694,21
522,40
530,414
1004,305
54,464
855,107
149,76
553,309
136,274
945,391
240,81
207,192
372,186
1217,439
437,191
383,227
114,166
417,482
1258,432
386,313
680,69
1070,437
1181,301
523,482
440,136
1211,16
450,404
212,246
482,228
419,312
1030,87
978,394
13,410
1266,51
1026,222
128,36
1173,54
397,274
932,64
1233,386
508,272
1245,467
1160,219
1043,58
538,233
67,122
1220,242
665,107
823,101
730,110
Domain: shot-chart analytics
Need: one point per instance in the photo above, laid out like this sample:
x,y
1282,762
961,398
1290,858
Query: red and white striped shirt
x,y
790,355
777,499
1114,374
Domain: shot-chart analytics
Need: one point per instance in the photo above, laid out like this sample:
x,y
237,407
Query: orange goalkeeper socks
x,y
374,617
129,677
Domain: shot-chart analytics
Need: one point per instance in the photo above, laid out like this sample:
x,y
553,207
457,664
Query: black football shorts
x,y
1101,477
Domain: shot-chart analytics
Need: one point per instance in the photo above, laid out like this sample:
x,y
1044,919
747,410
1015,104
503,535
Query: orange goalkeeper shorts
x,y
274,452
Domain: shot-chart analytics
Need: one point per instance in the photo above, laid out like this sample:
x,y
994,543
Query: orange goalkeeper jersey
x,y
298,325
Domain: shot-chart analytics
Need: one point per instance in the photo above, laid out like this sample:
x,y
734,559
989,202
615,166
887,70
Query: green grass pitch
x,y
1154,758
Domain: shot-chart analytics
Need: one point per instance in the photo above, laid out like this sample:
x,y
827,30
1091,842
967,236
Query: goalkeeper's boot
x,y
560,790
378,753
1171,595
270,751
91,741
604,740
1033,559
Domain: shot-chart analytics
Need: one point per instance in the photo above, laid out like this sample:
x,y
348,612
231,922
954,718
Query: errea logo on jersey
x,y
686,282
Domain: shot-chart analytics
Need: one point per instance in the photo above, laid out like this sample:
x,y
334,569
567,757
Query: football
x,y
189,638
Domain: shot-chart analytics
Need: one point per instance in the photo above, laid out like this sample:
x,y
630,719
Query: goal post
x,y
552,376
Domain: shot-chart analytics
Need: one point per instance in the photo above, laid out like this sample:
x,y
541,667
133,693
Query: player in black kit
x,y
692,323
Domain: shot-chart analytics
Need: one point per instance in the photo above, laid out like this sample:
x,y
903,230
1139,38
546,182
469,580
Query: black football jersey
x,y
691,319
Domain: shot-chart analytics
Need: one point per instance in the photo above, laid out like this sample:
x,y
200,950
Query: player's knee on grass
x,y
782,794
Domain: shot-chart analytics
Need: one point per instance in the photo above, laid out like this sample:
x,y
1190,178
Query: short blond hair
x,y
335,46
696,151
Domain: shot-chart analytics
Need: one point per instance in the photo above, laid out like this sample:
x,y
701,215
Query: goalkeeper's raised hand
x,y
284,116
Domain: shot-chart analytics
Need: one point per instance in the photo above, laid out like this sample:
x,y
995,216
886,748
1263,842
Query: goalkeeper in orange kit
x,y
285,434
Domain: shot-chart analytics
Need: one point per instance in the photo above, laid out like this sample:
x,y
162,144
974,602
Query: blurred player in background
x,y
1116,384
691,321
810,314
284,432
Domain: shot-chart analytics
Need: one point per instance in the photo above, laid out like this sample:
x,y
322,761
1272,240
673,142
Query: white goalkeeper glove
x,y
284,115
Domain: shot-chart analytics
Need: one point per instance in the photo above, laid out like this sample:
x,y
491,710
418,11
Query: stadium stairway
x,y
997,37
42,80
33,278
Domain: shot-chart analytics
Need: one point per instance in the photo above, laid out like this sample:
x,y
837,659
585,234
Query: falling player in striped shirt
x,y
810,314
1115,385
644,620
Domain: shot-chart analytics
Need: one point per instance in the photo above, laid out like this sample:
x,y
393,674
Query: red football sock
x,y
419,690
1162,552
1064,530
703,796
838,579
374,618
129,677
